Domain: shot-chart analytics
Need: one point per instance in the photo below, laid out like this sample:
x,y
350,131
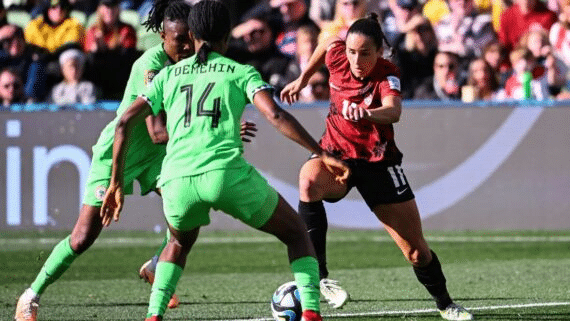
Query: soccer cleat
x,y
310,315
154,318
148,275
27,308
333,293
456,312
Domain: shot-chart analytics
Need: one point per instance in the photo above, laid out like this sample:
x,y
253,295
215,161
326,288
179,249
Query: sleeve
x,y
154,93
390,85
335,56
74,33
253,83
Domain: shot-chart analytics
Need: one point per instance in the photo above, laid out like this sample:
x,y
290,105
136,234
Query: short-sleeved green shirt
x,y
141,146
204,104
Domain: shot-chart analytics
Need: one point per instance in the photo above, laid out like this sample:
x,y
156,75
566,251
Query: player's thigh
x,y
183,208
316,182
403,223
244,194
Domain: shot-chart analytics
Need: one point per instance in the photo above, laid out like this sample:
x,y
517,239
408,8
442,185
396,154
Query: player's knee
x,y
418,257
309,190
80,242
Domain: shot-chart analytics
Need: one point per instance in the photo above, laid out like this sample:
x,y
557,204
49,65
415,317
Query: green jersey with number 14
x,y
204,105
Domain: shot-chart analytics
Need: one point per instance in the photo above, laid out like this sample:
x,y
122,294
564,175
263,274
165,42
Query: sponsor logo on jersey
x,y
394,83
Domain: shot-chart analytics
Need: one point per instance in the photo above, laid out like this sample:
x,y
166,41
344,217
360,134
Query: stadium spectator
x,y
482,82
111,43
496,56
346,12
522,16
446,81
524,62
294,13
435,10
536,41
108,32
55,28
560,34
402,17
260,50
318,85
14,52
464,31
322,11
307,39
415,56
10,88
73,89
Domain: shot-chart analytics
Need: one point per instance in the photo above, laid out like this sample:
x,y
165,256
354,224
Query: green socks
x,y
165,281
306,272
56,264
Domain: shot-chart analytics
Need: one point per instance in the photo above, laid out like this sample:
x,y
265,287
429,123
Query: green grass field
x,y
231,275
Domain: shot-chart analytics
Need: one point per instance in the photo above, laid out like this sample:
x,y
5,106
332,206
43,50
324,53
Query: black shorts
x,y
378,183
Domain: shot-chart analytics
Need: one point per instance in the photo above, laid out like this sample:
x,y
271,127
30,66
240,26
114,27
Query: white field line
x,y
422,311
151,241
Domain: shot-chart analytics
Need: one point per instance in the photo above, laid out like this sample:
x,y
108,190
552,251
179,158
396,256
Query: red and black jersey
x,y
364,139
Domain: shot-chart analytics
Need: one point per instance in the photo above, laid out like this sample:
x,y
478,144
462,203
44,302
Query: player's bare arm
x,y
388,113
156,126
113,201
290,93
292,129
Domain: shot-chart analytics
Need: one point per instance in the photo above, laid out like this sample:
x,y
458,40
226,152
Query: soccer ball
x,y
286,303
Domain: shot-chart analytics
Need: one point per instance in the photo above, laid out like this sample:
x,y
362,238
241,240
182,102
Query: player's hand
x,y
290,93
339,168
112,204
248,130
354,113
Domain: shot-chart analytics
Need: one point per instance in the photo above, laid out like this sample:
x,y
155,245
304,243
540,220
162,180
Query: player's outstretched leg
x,y
315,184
147,271
288,227
86,230
402,222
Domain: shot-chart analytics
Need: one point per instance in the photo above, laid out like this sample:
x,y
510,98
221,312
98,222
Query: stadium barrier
x,y
472,166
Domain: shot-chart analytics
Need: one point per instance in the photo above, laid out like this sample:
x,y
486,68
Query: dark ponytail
x,y
209,21
171,10
370,27
203,52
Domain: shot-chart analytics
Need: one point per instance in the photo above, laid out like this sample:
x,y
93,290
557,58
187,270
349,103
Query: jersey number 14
x,y
215,113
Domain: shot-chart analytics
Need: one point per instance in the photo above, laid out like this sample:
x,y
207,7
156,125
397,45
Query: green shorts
x,y
100,175
240,192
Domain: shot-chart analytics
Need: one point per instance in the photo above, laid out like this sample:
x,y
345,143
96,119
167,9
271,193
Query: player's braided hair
x,y
209,21
172,10
370,27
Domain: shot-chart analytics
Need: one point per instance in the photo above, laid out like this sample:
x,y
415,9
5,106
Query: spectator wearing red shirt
x,y
111,43
109,32
522,16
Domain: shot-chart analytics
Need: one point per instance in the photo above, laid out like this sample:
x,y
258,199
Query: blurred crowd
x,y
80,51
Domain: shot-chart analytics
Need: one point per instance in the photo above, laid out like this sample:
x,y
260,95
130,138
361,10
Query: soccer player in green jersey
x,y
145,157
204,97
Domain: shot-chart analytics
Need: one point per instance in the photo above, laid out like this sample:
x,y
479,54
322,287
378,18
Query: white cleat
x,y
456,312
333,293
27,308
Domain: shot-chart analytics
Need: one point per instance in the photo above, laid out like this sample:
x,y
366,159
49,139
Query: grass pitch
x,y
522,275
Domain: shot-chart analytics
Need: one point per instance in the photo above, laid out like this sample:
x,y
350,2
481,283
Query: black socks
x,y
431,276
315,217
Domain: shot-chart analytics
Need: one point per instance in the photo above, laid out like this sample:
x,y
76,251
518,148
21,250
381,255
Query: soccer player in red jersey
x,y
365,102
